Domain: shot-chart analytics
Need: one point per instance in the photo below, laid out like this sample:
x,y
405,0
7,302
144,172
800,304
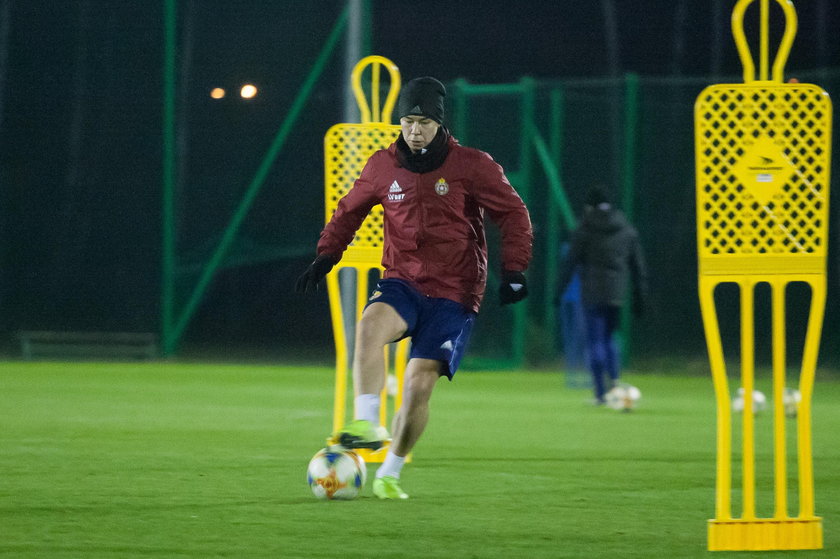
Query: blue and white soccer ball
x,y
623,397
790,400
392,385
336,473
759,401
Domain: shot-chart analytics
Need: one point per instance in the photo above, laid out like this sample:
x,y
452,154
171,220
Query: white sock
x,y
367,407
391,466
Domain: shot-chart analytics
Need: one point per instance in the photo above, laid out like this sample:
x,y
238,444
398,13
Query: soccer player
x,y
435,193
605,250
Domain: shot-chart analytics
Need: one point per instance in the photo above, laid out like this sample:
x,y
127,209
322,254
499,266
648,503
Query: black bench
x,y
41,344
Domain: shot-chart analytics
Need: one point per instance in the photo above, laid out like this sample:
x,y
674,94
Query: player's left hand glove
x,y
320,267
514,287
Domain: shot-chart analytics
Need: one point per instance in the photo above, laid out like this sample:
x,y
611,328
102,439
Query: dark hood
x,y
604,220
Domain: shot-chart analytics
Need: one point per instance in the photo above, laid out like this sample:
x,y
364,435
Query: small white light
x,y
248,91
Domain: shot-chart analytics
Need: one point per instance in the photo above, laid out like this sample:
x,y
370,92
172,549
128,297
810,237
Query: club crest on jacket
x,y
442,187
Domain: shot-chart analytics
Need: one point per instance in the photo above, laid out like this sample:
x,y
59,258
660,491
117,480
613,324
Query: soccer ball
x,y
790,399
336,473
759,401
391,385
623,397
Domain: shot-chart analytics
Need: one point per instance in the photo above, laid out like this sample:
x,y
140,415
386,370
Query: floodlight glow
x,y
248,91
217,93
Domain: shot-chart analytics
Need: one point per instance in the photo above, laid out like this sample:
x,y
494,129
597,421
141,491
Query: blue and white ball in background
x,y
392,385
759,401
623,397
336,473
790,400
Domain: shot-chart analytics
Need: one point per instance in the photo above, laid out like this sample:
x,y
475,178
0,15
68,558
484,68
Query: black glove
x,y
514,288
320,267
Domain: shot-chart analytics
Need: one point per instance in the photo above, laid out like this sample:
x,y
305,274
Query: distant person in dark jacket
x,y
606,252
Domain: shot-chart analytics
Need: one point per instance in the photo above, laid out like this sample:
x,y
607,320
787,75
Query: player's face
x,y
418,131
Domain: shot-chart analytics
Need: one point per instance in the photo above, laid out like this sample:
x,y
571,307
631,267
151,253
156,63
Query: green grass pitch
x,y
201,460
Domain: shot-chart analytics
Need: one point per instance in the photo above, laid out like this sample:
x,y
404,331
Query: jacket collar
x,y
429,159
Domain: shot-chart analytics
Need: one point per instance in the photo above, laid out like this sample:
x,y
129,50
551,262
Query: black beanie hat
x,y
422,96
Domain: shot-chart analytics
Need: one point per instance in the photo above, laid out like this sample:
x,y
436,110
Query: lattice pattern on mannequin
x,y
347,147
763,159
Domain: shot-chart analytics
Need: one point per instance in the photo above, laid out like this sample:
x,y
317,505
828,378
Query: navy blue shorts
x,y
439,328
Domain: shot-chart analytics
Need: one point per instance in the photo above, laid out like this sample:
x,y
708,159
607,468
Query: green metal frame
x,y
561,216
172,326
521,177
168,216
628,190
551,157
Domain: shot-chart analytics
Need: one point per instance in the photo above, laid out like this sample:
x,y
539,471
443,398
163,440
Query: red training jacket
x,y
434,222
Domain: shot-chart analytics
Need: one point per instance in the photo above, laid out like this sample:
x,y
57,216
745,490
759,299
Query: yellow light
x,y
217,93
248,91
